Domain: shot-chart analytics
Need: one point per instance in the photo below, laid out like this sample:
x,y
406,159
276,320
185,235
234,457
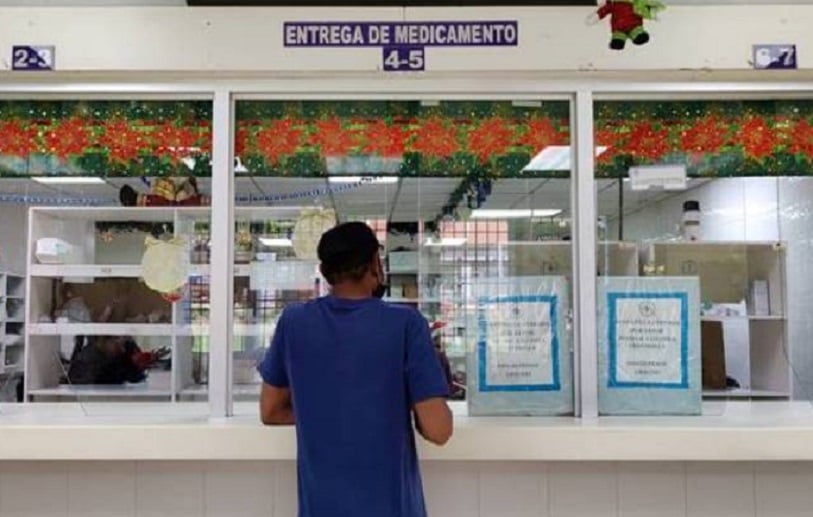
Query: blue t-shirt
x,y
355,369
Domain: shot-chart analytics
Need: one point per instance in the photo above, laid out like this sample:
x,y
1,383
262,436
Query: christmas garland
x,y
452,139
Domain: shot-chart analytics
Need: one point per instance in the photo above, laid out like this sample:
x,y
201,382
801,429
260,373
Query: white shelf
x,y
115,271
108,391
100,329
241,390
743,393
240,330
413,300
240,270
749,317
86,270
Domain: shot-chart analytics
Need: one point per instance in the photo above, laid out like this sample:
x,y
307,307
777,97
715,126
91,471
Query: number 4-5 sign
x,y
403,59
32,57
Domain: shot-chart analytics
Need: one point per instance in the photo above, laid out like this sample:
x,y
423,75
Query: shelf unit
x,y
186,331
756,345
12,323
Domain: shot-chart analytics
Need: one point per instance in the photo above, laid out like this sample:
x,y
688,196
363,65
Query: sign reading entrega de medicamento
x,y
403,43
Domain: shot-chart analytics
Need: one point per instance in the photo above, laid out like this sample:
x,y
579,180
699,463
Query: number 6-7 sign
x,y
32,57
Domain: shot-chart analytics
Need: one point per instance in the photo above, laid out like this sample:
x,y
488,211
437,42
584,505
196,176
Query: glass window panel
x,y
459,193
739,225
110,184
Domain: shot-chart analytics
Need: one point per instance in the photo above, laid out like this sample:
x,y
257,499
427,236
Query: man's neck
x,y
350,292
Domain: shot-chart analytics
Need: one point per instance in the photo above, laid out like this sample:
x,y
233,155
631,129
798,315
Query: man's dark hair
x,y
346,252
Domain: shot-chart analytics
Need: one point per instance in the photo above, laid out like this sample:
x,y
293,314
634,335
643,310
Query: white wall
x,y
250,39
13,237
453,489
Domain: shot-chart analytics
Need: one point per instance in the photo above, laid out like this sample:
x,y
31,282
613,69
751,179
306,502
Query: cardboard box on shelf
x,y
713,355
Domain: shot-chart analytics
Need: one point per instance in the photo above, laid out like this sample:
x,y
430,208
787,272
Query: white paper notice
x,y
519,338
648,339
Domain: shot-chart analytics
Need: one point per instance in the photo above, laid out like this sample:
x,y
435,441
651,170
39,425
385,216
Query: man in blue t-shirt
x,y
349,370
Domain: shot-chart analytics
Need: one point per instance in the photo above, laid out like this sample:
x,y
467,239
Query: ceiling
x,y
408,200
300,3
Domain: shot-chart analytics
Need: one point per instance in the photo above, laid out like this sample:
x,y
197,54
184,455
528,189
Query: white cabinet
x,y
102,258
743,287
12,323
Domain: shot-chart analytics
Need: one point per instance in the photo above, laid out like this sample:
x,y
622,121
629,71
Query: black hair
x,y
128,196
346,252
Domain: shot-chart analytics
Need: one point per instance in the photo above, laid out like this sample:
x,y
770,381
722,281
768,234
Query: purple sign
x,y
403,59
782,57
403,43
32,57
401,34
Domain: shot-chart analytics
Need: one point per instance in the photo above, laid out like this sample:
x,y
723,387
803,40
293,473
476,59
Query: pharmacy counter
x,y
734,431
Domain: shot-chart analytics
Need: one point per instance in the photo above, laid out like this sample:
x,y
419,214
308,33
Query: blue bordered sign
x,y
403,44
33,57
648,338
524,308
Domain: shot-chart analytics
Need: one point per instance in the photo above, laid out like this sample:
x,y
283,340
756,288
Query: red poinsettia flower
x,y
757,139
387,140
176,142
70,137
541,133
332,138
205,138
18,138
801,139
435,139
611,141
647,143
122,141
241,140
282,137
705,136
492,137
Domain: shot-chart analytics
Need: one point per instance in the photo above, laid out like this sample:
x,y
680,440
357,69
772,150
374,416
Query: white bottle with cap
x,y
690,224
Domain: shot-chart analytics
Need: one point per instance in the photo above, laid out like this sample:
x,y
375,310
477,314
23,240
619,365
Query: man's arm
x,y
434,421
275,406
427,386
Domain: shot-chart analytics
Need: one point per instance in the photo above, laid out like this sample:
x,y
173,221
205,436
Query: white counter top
x,y
728,431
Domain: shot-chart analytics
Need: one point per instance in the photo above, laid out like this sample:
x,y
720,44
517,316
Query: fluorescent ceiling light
x,y
446,241
482,213
68,180
555,158
276,242
381,180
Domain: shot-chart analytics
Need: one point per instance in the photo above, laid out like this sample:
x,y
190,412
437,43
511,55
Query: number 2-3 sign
x,y
403,59
32,57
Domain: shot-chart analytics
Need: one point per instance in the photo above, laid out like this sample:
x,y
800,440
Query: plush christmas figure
x,y
165,192
627,20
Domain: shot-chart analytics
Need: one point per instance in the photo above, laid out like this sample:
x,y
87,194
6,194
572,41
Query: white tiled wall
x,y
453,489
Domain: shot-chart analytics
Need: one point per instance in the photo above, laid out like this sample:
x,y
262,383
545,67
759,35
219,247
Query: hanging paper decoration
x,y
627,20
165,266
308,230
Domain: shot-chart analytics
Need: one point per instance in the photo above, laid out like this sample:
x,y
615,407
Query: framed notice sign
x,y
519,355
649,339
649,346
518,347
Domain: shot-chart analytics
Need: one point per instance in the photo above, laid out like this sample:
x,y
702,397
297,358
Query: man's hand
x,y
433,420
275,406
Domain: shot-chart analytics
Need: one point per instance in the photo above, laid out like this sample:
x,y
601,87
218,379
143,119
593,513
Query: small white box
x,y
403,262
53,251
760,298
